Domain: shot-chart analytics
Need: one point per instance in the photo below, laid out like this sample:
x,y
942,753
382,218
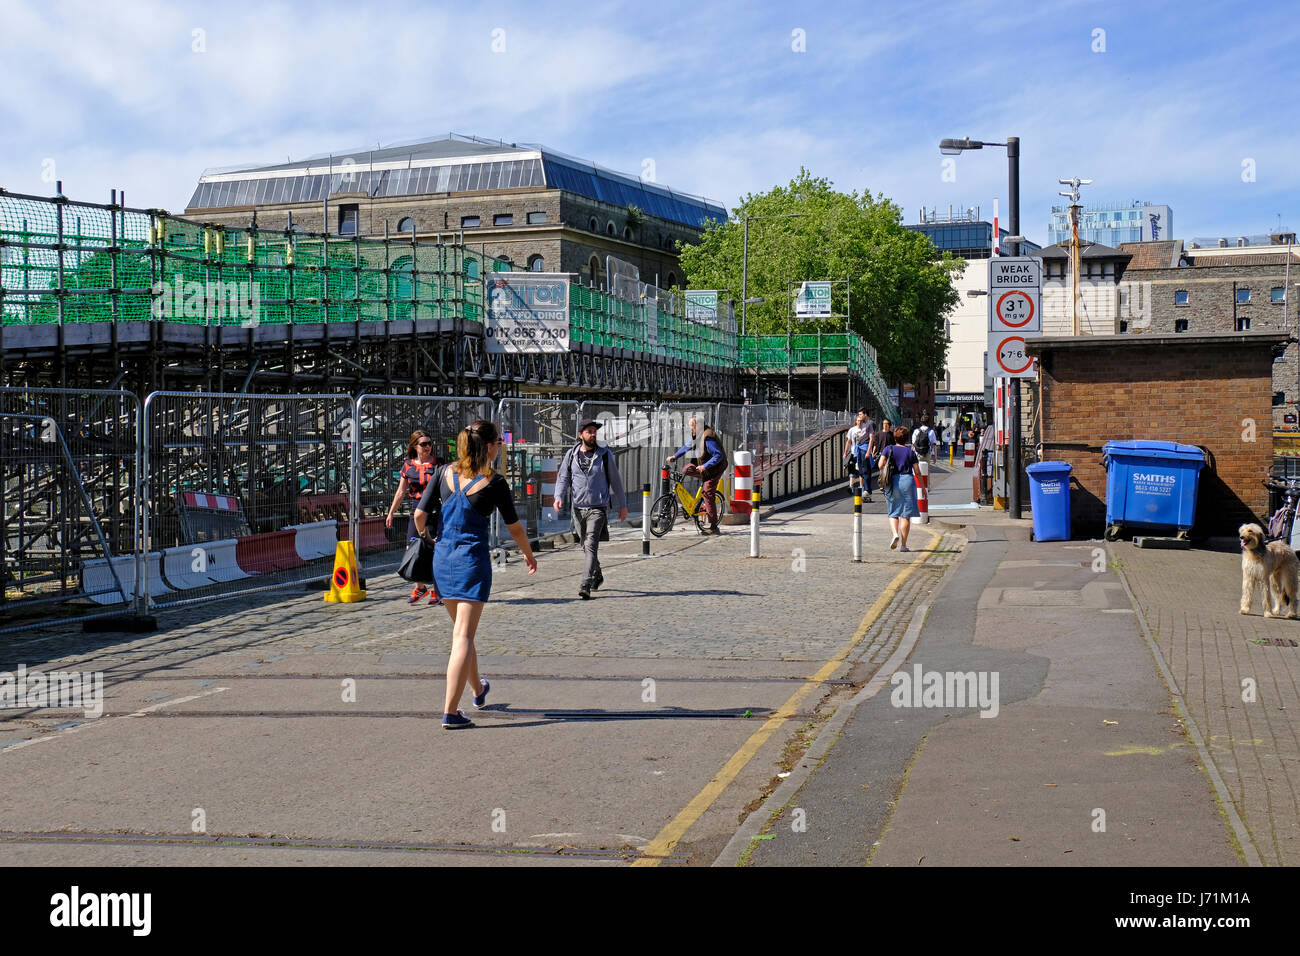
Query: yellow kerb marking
x,y
662,845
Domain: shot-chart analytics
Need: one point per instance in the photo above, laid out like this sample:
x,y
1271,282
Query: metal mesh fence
x,y
627,428
244,492
69,522
536,433
385,424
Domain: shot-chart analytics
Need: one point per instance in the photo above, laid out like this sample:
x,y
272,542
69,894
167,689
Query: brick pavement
x,y
1190,600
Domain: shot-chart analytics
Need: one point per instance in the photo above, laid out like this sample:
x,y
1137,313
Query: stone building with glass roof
x,y
524,204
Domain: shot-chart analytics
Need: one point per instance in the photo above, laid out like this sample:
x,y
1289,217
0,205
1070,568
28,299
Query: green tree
x,y
901,286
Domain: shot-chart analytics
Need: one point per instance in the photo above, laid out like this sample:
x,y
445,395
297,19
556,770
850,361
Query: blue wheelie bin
x,y
1151,485
1049,498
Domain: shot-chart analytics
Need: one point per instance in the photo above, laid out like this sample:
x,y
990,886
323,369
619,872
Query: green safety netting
x,y
59,262
62,261
835,351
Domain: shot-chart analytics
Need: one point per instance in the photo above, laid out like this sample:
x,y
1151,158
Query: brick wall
x,y
1197,392
1212,307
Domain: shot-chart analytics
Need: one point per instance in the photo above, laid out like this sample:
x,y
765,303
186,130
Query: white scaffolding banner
x,y
527,312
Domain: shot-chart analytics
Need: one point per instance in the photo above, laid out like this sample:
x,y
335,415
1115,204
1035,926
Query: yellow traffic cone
x,y
345,585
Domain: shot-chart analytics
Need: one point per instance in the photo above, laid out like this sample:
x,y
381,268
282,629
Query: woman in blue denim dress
x,y
469,491
901,493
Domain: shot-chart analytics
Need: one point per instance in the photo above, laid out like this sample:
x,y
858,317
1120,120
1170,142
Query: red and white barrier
x,y
923,493
97,576
189,566
970,454
268,552
315,540
215,502
550,469
222,562
742,482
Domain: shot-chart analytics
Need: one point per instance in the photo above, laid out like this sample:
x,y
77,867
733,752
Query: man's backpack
x,y
922,443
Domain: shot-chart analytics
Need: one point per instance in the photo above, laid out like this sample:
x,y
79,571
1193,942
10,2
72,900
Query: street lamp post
x,y
954,147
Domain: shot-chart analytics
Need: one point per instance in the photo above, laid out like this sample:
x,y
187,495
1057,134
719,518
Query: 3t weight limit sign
x,y
1016,309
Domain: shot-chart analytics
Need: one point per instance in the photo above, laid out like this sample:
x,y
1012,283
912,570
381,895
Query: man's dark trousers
x,y
591,524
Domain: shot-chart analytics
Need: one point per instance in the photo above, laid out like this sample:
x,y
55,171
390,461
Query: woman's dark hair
x,y
412,447
472,450
900,435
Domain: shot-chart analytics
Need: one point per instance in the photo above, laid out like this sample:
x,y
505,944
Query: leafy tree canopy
x,y
900,286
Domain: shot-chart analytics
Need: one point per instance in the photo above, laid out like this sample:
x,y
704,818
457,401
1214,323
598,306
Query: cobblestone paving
x,y
694,597
1190,600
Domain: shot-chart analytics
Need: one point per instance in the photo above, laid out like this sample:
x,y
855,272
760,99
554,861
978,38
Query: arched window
x,y
401,287
471,269
595,226
610,228
593,267
406,224
502,264
536,264
672,281
627,232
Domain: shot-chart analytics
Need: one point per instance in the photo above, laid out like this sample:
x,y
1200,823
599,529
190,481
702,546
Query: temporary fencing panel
x,y
385,424
533,432
673,430
243,492
69,522
627,428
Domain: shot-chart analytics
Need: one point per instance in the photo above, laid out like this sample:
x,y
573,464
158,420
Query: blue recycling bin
x,y
1151,485
1049,498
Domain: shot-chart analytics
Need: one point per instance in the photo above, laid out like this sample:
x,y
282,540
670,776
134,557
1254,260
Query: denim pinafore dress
x,y
462,566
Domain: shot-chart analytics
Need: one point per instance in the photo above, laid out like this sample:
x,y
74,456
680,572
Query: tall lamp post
x,y
954,147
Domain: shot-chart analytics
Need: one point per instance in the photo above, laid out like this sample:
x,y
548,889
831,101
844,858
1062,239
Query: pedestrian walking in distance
x,y
466,492
590,476
710,462
416,470
856,445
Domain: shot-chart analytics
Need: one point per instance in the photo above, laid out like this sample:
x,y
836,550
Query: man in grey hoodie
x,y
590,474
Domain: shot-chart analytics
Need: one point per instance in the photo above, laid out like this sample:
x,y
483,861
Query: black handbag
x,y
417,562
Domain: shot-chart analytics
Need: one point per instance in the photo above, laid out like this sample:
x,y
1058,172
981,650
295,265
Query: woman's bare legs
x,y
462,668
904,525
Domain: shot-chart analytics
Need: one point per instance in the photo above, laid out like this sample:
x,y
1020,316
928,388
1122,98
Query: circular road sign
x,y
1012,357
1015,309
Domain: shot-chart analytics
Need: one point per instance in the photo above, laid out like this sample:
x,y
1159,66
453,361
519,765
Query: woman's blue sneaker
x,y
455,721
480,700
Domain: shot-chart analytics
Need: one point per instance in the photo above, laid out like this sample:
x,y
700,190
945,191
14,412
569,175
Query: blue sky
x,y
717,95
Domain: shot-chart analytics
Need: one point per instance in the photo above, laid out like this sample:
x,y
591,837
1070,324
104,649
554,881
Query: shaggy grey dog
x,y
1272,566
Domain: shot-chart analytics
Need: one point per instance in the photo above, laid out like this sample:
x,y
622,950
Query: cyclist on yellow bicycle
x,y
709,464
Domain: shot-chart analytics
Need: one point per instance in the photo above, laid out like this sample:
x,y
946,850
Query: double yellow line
x,y
658,849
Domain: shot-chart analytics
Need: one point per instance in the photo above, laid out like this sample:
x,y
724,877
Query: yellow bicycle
x,y
663,513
